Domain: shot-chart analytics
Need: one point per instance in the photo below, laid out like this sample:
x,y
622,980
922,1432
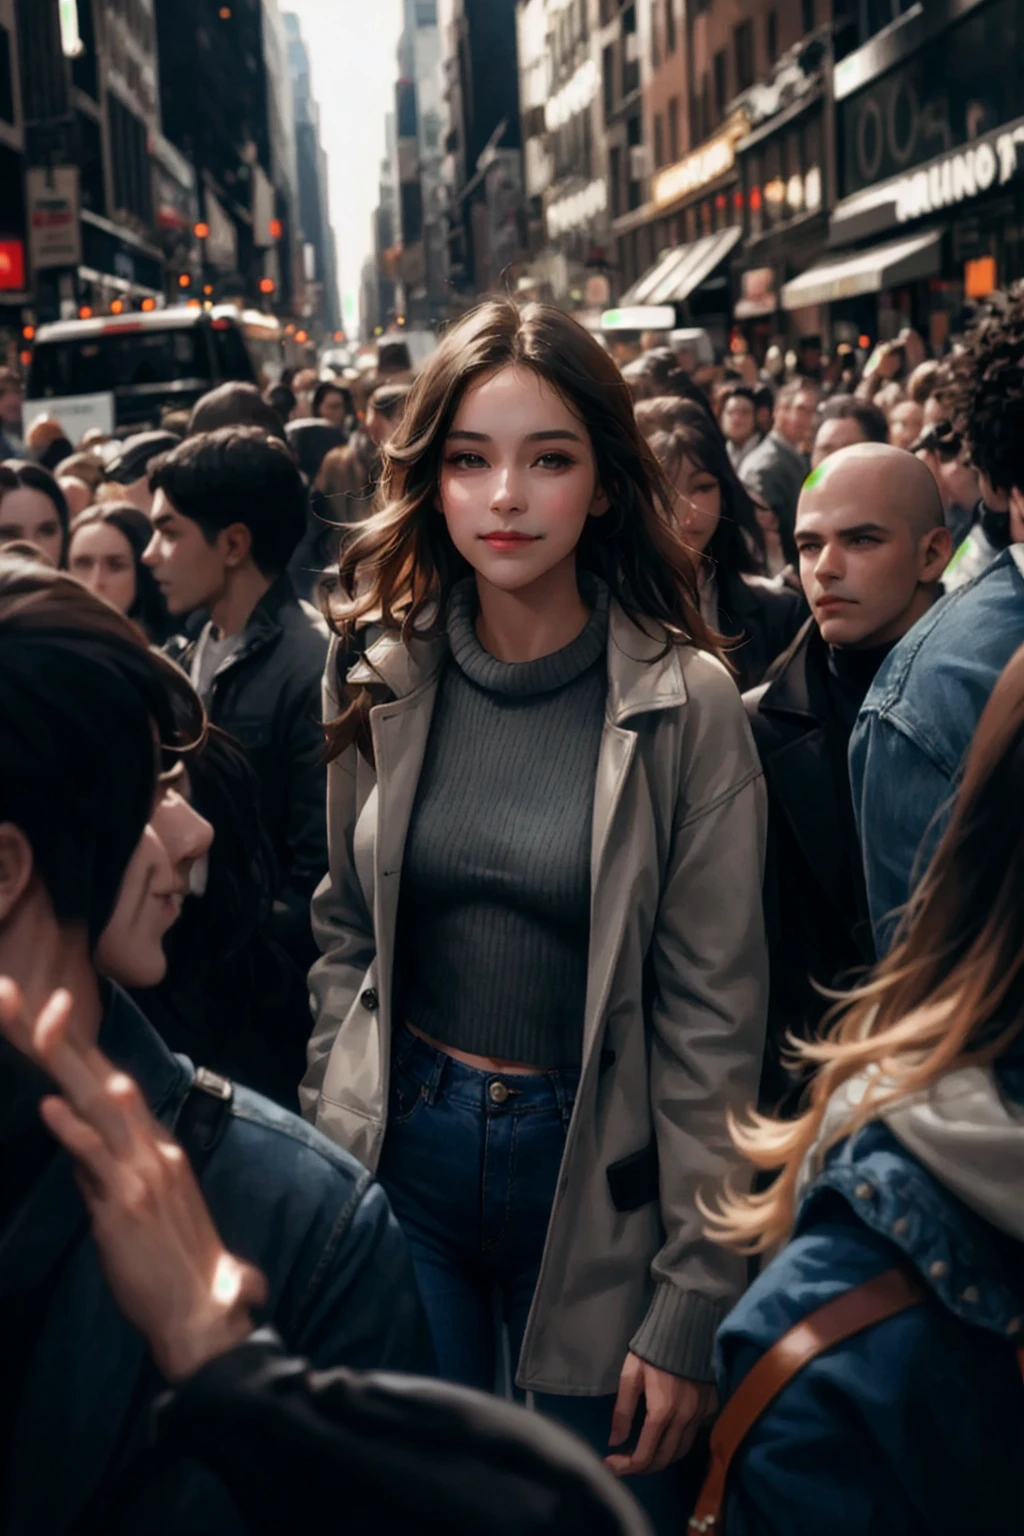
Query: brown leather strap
x,y
861,1307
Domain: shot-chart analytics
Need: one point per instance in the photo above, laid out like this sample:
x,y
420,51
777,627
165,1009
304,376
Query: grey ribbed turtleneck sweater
x,y
494,922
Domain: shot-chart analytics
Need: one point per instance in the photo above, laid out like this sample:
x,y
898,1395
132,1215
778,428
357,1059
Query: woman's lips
x,y
509,540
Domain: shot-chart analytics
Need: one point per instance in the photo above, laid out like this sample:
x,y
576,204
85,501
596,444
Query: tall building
x,y
564,154
483,166
320,268
421,202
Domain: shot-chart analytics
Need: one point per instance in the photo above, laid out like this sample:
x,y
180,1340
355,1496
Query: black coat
x,y
815,902
267,695
762,616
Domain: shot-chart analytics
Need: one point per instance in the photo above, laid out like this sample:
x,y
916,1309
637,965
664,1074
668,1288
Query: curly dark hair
x,y
989,407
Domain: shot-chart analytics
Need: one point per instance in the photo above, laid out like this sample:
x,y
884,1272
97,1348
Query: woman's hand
x,y
675,1410
169,1272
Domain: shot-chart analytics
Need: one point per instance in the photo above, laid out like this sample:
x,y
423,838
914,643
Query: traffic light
x,y
184,281
276,229
267,285
201,231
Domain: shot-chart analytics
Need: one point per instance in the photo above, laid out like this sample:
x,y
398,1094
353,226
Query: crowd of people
x,y
512,941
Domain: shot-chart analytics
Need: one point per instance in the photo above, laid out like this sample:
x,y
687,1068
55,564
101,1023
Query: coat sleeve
x,y
342,923
305,823
710,971
901,801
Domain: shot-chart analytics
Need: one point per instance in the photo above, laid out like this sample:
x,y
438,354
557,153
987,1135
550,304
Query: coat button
x,y
939,1270
498,1092
864,1191
370,1000
969,1296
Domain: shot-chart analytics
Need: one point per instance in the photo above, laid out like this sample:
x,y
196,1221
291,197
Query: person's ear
x,y
16,867
600,504
934,553
235,544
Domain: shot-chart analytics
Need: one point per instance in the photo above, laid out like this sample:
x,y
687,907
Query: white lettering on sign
x,y
959,177
577,210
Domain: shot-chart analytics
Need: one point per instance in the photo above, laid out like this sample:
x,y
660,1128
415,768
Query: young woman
x,y
900,1188
718,519
33,509
105,553
543,973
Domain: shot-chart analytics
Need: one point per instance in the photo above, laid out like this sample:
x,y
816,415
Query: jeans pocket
x,y
405,1096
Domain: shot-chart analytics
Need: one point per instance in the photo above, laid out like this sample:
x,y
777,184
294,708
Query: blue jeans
x,y
470,1164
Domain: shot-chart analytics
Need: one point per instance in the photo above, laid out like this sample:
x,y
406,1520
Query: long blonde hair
x,y
399,567
950,993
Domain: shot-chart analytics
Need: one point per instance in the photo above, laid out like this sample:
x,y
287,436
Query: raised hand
x,y
169,1272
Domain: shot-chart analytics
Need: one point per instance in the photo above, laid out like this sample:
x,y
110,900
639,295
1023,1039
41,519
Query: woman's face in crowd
x,y
519,479
156,882
698,503
102,559
29,514
332,408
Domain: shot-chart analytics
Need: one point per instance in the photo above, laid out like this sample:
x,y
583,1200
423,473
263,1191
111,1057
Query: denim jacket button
x,y
370,1000
969,1296
498,1092
939,1270
864,1191
900,1226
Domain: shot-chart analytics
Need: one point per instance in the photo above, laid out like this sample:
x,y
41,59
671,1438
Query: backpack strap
x,y
203,1116
852,1312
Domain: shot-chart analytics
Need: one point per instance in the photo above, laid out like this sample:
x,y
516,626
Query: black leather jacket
x,y
762,616
267,695
815,902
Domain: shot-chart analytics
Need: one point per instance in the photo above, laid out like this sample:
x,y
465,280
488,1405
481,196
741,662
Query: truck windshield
x,y
119,360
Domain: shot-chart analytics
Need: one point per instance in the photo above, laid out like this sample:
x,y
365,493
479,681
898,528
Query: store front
x,y
682,241
931,152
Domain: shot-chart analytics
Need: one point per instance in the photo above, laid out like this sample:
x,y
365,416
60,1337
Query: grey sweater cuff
x,y
678,1333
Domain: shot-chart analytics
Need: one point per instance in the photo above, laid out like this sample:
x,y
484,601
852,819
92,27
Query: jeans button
x,y
370,1000
498,1092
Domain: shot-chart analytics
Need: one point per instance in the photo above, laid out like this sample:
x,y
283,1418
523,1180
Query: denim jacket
x,y
916,725
341,1292
915,1426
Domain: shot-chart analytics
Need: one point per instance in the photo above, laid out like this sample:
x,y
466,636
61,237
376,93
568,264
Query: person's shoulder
x,y
962,643
290,1154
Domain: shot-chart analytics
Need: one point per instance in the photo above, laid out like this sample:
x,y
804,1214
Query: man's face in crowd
x,y
10,408
738,419
189,570
833,435
863,559
794,418
906,422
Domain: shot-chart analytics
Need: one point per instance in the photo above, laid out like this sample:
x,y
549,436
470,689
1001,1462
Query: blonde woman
x,y
901,1191
543,974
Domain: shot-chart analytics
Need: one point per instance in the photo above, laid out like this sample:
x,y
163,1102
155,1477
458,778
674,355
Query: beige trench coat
x,y
675,1009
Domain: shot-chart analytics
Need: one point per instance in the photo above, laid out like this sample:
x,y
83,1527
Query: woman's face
x,y
156,882
102,559
519,479
698,503
332,408
29,514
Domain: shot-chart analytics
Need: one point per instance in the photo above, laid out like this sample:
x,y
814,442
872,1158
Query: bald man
x,y
872,547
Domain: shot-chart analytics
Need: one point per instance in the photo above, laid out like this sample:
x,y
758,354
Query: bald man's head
x,y
872,543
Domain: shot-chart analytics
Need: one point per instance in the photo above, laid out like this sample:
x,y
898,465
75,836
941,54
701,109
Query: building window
x,y
673,129
670,26
771,36
721,66
659,141
808,18
608,73
743,44
6,82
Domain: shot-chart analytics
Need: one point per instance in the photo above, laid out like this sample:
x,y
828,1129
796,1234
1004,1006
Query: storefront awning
x,y
675,276
882,266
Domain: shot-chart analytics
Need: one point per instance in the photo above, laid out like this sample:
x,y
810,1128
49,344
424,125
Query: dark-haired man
x,y
94,867
739,424
843,421
776,469
919,718
229,508
872,548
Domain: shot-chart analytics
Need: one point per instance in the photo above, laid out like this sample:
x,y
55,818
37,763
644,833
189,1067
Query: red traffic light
x,y
267,285
201,231
276,229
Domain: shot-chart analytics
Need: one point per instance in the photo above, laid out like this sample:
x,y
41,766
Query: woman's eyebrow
x,y
550,435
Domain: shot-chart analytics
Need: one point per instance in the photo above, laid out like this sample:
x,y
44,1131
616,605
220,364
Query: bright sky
x,y
352,50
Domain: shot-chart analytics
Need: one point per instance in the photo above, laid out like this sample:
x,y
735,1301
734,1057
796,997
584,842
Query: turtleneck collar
x,y
522,679
854,670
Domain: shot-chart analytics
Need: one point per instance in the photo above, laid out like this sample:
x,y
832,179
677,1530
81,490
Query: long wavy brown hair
x,y
399,568
950,993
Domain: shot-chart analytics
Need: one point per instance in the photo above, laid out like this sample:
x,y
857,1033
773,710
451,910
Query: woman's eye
x,y
554,460
467,461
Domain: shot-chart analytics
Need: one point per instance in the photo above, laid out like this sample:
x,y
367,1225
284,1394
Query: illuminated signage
x,y
991,162
705,165
12,265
